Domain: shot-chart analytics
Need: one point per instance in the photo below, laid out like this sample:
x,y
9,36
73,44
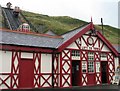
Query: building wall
x,y
10,61
5,62
5,67
46,69
65,68
82,45
62,63
116,62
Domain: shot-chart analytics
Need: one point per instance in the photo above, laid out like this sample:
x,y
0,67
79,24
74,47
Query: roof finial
x,y
91,18
92,26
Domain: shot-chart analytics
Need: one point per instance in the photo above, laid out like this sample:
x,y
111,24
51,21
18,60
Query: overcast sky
x,y
80,9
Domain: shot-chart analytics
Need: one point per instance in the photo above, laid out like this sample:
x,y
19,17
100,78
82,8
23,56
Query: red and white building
x,y
80,57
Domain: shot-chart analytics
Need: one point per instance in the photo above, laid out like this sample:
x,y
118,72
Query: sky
x,y
80,9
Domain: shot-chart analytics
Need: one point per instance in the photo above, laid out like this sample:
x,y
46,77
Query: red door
x,y
26,74
91,73
91,78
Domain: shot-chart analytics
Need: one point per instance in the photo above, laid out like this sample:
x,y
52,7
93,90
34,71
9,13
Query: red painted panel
x,y
26,75
91,79
22,48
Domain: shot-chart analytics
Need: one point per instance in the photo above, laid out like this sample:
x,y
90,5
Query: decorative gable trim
x,y
79,34
83,31
107,43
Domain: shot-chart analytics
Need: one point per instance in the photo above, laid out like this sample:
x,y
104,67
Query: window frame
x,y
90,56
91,63
75,53
103,56
84,66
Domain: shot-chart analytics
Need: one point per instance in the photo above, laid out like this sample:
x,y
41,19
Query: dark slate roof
x,y
34,40
72,33
50,33
117,47
15,38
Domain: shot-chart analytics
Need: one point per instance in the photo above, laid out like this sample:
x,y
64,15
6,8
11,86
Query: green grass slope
x,y
62,24
58,24
111,33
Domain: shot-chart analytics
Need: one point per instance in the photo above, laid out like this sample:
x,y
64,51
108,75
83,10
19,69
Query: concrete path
x,y
86,88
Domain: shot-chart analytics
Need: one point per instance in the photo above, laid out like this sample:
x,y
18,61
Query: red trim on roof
x,y
28,49
107,43
87,28
80,33
92,26
29,33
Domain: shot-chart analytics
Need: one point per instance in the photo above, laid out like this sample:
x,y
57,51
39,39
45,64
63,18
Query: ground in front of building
x,y
76,88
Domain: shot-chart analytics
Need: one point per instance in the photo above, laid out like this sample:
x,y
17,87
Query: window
x,y
84,66
97,66
75,55
90,66
90,62
103,56
90,56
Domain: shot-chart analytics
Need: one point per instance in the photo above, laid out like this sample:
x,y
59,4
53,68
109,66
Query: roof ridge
x,y
30,33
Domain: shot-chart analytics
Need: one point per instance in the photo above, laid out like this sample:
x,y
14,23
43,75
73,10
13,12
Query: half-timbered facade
x,y
80,57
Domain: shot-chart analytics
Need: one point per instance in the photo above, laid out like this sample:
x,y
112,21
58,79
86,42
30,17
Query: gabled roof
x,y
47,41
10,37
71,36
117,47
29,39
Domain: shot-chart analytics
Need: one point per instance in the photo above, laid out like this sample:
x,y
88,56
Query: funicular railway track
x,y
12,22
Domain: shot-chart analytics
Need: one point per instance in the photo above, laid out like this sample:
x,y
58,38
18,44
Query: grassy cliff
x,y
62,24
58,24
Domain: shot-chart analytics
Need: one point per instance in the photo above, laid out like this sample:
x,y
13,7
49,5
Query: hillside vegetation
x,y
58,24
111,33
62,24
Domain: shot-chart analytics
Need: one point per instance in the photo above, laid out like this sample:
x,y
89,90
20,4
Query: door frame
x,y
78,76
106,62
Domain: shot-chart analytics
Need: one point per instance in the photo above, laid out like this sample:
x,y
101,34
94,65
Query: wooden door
x,y
104,71
91,78
91,73
76,73
26,74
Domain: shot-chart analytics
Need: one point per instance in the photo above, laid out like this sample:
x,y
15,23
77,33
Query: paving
x,y
85,88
